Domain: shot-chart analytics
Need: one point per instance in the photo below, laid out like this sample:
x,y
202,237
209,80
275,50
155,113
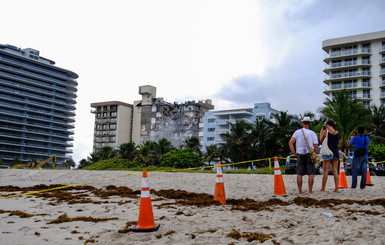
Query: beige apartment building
x,y
113,124
356,64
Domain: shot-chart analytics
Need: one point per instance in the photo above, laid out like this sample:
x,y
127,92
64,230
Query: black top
x,y
333,143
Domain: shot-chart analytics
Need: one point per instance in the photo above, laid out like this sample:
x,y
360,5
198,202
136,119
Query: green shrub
x,y
181,158
114,164
377,151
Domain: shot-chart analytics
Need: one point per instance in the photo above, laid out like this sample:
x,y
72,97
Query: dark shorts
x,y
305,166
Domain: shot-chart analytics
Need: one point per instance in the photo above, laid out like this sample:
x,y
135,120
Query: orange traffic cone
x,y
219,192
279,186
368,180
146,217
342,183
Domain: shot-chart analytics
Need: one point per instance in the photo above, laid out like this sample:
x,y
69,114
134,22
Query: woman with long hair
x,y
333,135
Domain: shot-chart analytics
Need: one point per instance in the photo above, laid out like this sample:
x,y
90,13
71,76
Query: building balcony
x,y
221,122
221,131
345,65
382,61
343,75
346,54
382,72
382,49
382,83
219,141
382,95
332,88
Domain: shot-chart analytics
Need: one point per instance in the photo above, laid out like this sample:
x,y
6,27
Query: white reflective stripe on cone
x,y
145,194
218,179
144,182
276,172
219,171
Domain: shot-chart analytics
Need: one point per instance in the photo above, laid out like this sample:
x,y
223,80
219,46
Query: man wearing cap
x,y
304,164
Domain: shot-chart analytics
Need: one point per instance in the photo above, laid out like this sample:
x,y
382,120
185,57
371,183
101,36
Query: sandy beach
x,y
103,208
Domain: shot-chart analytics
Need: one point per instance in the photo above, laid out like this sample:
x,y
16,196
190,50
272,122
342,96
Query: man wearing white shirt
x,y
304,164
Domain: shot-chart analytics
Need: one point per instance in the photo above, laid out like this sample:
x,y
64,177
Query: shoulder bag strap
x,y
305,138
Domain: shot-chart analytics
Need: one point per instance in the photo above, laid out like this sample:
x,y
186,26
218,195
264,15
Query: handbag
x,y
313,155
325,150
361,151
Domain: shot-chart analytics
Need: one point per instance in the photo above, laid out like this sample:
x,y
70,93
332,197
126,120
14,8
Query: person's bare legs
x,y
299,184
311,182
335,174
325,167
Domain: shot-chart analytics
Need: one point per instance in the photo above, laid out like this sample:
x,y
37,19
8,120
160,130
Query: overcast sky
x,y
234,52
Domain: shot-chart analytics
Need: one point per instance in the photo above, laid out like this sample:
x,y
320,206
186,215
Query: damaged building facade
x,y
153,118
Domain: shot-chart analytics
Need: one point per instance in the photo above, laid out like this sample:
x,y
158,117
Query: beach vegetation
x,y
181,158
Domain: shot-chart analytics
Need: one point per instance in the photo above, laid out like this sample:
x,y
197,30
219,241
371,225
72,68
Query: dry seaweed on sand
x,y
64,218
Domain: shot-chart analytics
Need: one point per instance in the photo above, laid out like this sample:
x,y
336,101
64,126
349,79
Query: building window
x,y
366,93
336,52
366,71
211,120
210,138
260,117
366,82
352,94
211,130
98,115
383,81
105,108
366,104
366,60
336,63
113,114
336,85
113,107
112,126
366,48
350,83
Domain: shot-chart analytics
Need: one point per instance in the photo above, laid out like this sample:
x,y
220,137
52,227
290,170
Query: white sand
x,y
292,224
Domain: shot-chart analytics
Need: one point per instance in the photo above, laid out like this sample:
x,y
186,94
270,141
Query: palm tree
x,y
213,153
261,135
347,114
128,150
150,152
69,163
194,144
282,130
378,120
238,146
107,152
93,158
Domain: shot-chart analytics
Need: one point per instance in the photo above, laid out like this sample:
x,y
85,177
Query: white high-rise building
x,y
356,64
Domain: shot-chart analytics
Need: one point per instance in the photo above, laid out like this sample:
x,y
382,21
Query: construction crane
x,y
39,165
53,158
24,165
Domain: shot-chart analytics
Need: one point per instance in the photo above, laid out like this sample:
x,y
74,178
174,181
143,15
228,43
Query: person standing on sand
x,y
333,138
360,161
304,164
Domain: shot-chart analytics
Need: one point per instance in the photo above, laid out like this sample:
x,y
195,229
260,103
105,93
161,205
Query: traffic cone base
x,y
136,229
279,186
342,183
